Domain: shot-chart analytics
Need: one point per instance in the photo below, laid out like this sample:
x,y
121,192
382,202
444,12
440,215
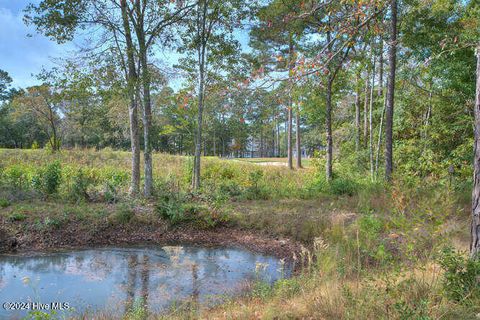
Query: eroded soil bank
x,y
42,229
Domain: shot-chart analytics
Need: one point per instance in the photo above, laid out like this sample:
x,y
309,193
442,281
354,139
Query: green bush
x,y
48,179
79,186
113,184
461,280
4,203
16,176
170,207
342,186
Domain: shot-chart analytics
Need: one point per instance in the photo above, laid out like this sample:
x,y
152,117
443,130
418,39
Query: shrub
x,y
342,186
461,280
4,203
80,184
113,184
47,179
228,189
170,207
16,176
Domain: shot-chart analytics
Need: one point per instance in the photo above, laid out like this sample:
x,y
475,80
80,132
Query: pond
x,y
117,280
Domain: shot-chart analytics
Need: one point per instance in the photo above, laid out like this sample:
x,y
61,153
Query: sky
x,y
20,55
24,52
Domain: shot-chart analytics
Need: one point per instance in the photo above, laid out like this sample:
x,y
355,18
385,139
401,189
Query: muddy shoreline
x,y
77,235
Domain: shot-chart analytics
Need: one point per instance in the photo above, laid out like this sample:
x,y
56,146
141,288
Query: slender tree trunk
x,y
475,227
370,120
328,118
365,110
198,140
392,57
357,115
289,138
147,125
380,69
147,106
133,108
290,107
298,143
329,167
201,50
379,143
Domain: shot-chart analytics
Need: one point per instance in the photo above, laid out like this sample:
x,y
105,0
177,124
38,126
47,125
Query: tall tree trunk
x,y
201,50
147,125
198,140
298,143
132,80
365,110
370,118
357,115
290,107
289,138
329,167
379,143
475,227
380,69
392,59
328,117
147,106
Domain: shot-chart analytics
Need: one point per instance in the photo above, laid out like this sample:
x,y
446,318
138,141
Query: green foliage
x,y
79,186
261,290
342,186
17,216
48,179
4,203
461,280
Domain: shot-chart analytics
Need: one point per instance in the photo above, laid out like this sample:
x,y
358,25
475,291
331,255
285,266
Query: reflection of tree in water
x,y
195,284
131,281
145,279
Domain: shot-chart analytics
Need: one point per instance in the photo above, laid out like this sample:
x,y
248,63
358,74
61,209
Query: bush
x,y
177,207
113,184
342,186
80,184
48,179
16,176
4,203
461,280
170,207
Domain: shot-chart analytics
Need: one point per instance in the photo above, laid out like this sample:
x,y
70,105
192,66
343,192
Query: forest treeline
x,y
349,79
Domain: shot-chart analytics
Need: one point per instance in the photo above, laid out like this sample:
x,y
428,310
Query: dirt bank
x,y
28,236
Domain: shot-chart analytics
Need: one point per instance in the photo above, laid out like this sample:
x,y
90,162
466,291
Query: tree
x,y
150,18
5,82
475,226
392,60
276,39
42,102
209,35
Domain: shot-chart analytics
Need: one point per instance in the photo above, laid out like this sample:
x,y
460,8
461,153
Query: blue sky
x,y
24,56
20,55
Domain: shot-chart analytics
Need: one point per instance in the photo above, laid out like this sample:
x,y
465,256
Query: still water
x,y
115,280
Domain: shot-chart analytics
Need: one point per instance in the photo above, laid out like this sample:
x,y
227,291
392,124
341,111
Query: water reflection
x,y
104,279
